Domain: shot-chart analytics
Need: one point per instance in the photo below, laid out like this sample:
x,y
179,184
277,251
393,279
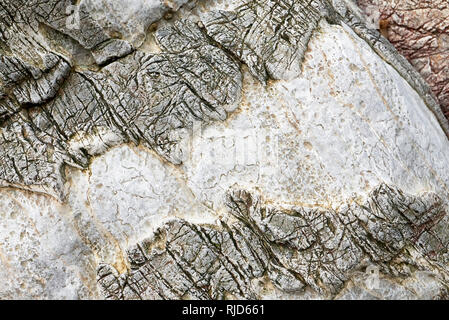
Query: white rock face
x,y
325,138
42,255
347,124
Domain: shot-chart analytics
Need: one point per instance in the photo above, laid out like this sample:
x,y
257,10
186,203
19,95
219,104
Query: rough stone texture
x,y
192,80
420,31
289,248
142,97
270,37
124,147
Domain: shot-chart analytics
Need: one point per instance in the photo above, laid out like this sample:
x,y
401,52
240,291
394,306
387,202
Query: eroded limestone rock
x,y
292,248
270,37
298,103
148,98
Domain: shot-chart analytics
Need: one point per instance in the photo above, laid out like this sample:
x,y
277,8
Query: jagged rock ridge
x,y
146,98
293,249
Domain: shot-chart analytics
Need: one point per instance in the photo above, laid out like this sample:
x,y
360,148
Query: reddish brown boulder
x,y
419,29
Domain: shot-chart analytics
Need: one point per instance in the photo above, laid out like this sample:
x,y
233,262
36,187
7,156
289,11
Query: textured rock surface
x,y
266,149
420,31
289,248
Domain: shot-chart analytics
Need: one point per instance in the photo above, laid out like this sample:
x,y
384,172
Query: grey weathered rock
x,y
134,141
294,249
270,37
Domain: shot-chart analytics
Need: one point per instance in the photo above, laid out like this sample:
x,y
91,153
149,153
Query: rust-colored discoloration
x,y
383,27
